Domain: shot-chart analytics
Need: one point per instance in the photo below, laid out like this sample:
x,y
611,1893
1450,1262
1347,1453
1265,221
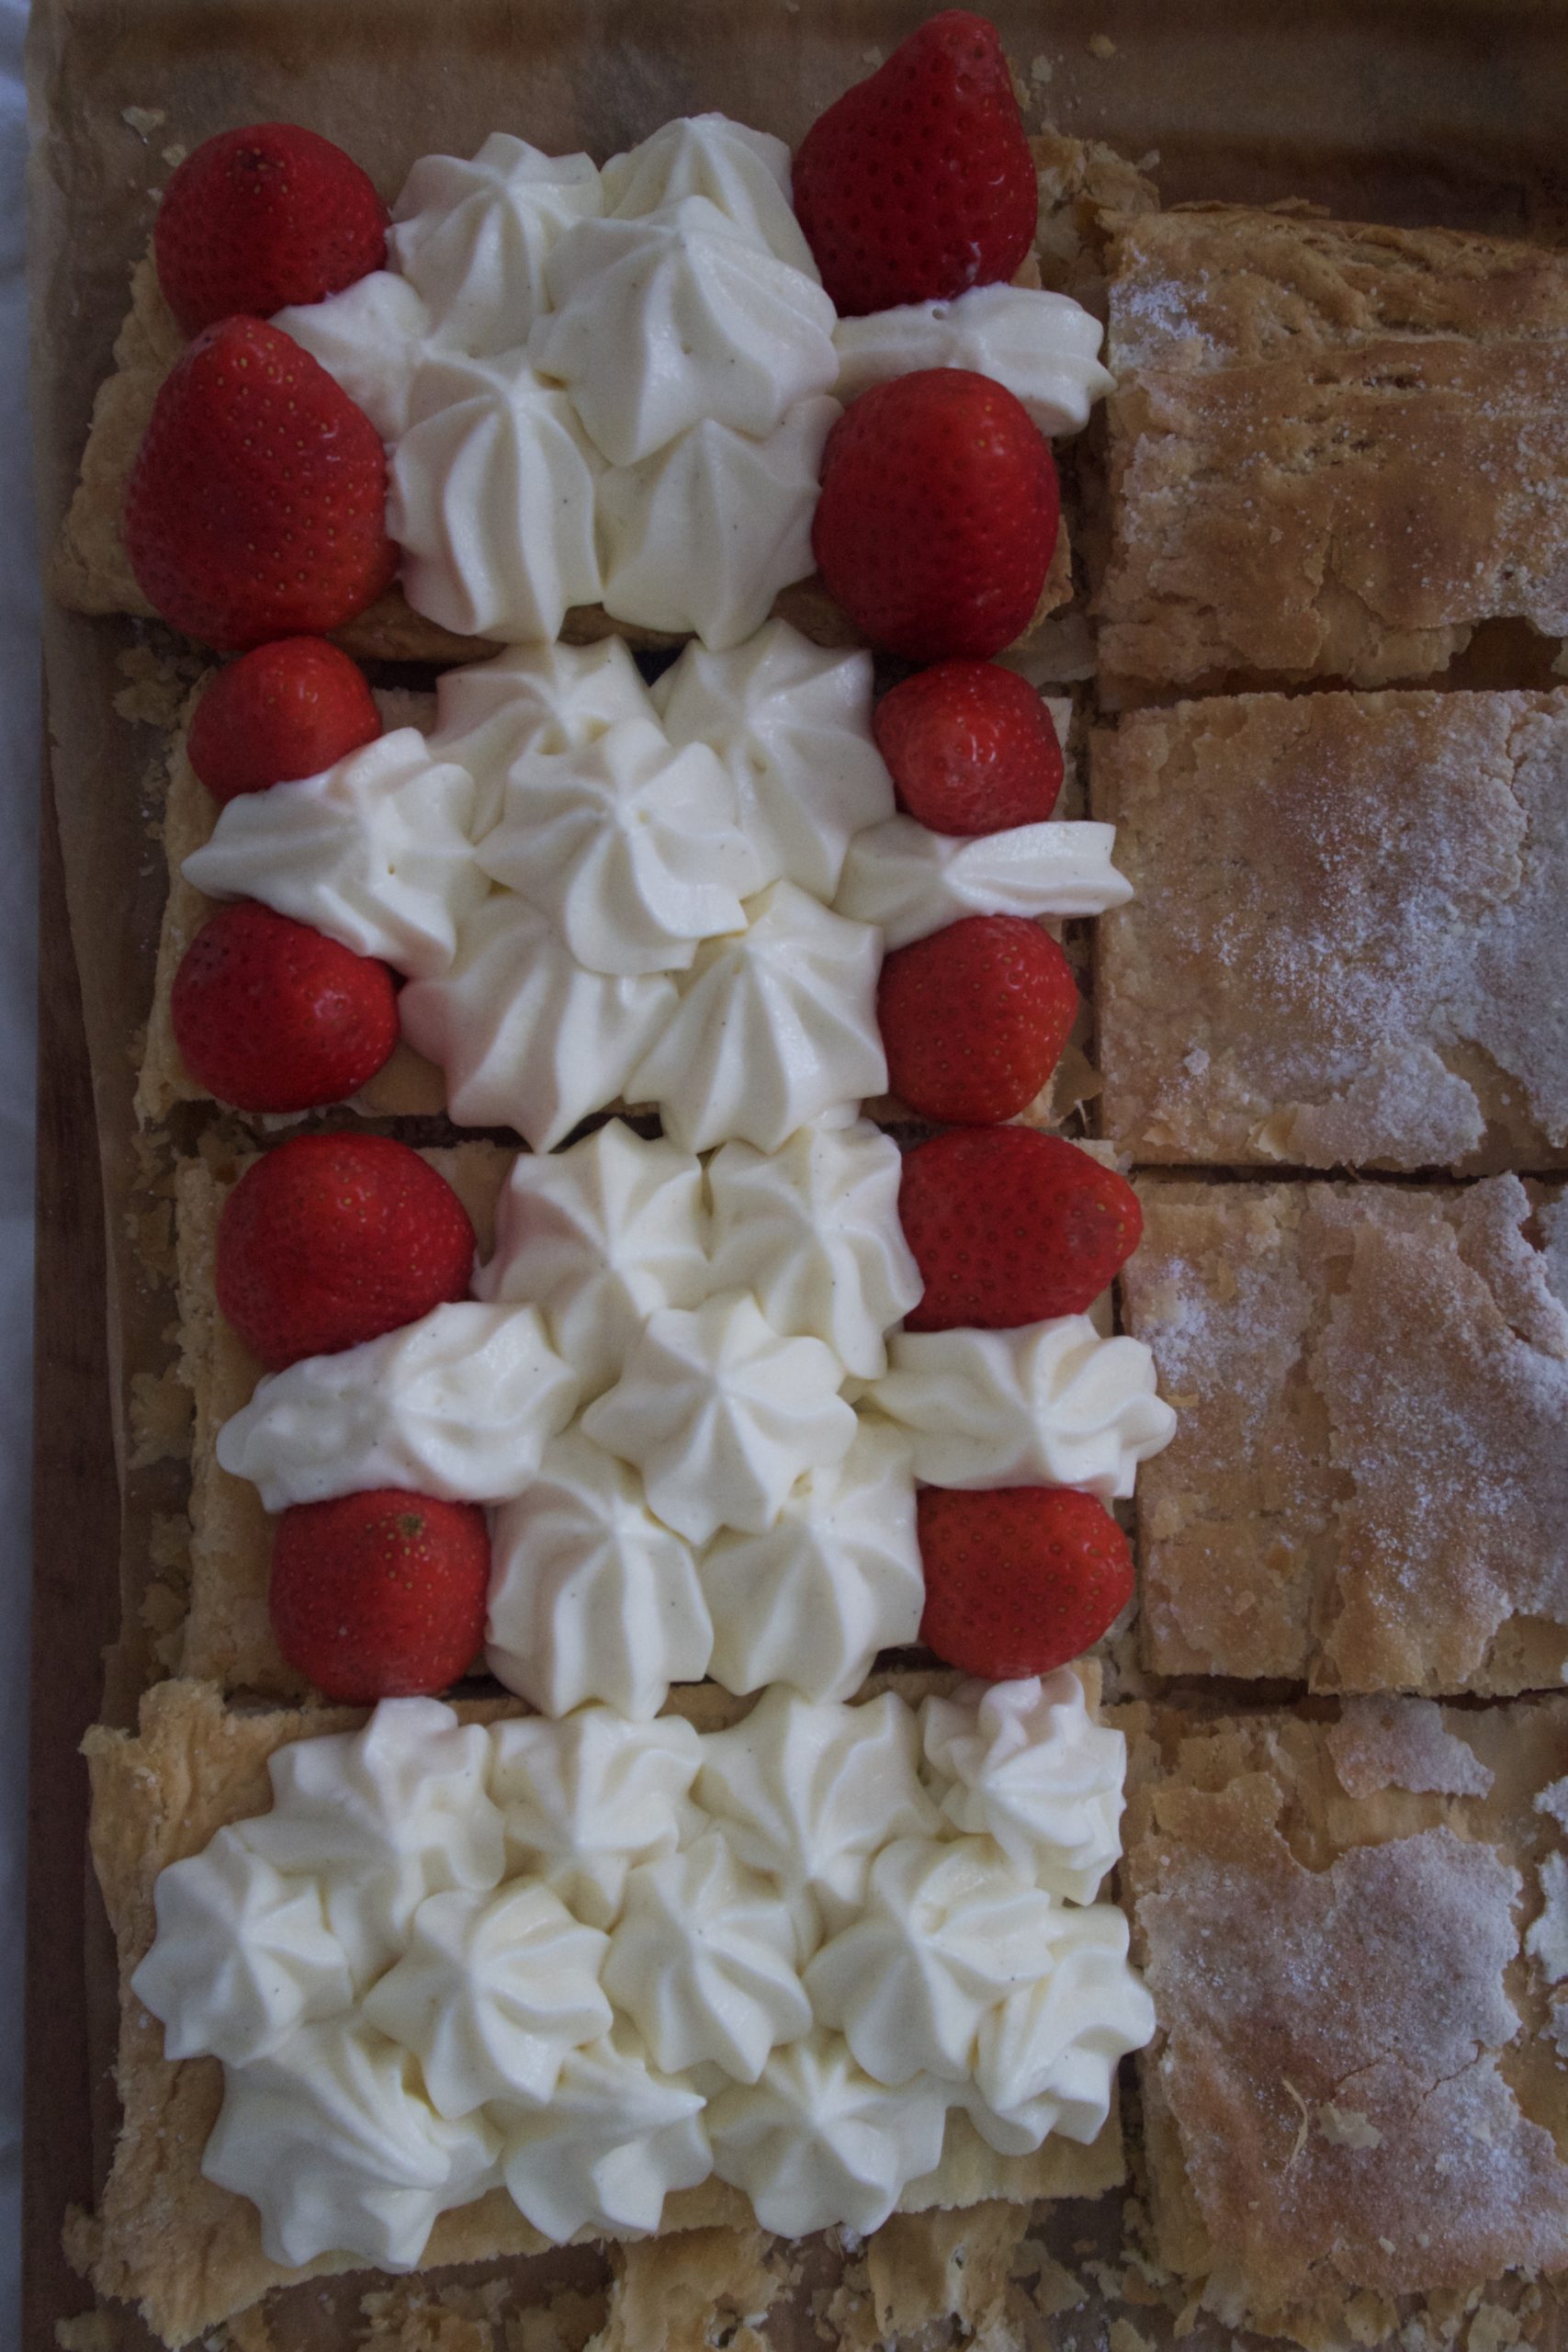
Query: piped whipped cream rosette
x,y
595,1962
684,1393
599,892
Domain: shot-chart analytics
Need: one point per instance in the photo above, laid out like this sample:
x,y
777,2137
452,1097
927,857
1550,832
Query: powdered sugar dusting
x,y
1546,1939
1402,1744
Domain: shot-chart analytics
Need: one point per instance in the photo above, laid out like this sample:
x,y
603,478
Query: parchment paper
x,y
1408,110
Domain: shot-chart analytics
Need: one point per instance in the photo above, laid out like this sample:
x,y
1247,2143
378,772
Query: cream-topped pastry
x,y
680,897
798,1966
584,378
686,1395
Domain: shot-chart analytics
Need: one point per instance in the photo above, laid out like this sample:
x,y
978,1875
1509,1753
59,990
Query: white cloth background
x,y
19,944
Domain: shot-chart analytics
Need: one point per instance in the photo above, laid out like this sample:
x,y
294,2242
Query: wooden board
x,y
75,1538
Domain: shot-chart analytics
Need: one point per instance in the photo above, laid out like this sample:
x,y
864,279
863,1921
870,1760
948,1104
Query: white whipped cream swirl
x,y
528,1036
791,724
911,881
702,1961
600,1236
775,1027
721,1415
492,1992
834,1581
703,533
812,1230
1048,1404
1026,1764
945,1932
632,849
459,1404
815,2142
1044,347
334,2141
491,498
660,321
591,1596
472,236
375,852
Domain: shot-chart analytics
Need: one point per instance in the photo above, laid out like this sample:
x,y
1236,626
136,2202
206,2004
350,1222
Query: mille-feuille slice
x,y
1336,450
1354,1932
1344,946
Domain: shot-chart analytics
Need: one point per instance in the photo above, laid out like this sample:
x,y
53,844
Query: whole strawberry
x,y
1008,1226
938,514
270,1015
332,1239
255,507
284,711
920,183
971,748
258,217
973,1018
380,1595
1020,1579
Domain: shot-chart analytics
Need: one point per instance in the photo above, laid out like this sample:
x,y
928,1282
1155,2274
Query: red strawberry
x,y
258,217
1010,1227
382,1595
286,710
918,182
270,1015
333,1239
971,748
938,514
255,507
1020,1579
973,1018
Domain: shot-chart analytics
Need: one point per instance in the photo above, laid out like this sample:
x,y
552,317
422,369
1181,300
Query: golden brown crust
x,y
228,1635
1346,946
190,2253
1334,451
1368,1488
1355,2093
